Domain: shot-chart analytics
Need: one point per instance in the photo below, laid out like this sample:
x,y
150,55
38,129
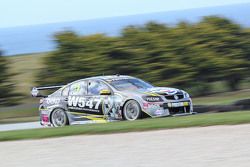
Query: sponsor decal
x,y
45,118
145,105
178,104
117,79
153,107
51,101
153,98
159,112
44,112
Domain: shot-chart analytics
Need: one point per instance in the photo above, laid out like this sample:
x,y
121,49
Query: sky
x,y
31,12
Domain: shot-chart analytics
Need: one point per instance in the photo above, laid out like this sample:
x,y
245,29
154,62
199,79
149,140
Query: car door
x,y
76,101
98,102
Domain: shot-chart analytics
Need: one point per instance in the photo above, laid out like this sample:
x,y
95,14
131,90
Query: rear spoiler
x,y
35,90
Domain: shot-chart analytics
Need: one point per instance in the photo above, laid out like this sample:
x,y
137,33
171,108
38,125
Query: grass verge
x,y
222,98
230,118
18,113
19,120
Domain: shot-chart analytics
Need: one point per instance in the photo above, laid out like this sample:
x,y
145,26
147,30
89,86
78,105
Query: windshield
x,y
130,84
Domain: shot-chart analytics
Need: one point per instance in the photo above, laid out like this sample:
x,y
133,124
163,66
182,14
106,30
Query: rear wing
x,y
36,93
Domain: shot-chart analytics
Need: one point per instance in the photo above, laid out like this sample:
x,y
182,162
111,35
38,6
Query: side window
x,y
65,91
56,93
94,87
78,88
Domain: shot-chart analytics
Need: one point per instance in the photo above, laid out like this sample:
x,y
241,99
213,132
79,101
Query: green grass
x,y
222,98
230,118
16,112
20,113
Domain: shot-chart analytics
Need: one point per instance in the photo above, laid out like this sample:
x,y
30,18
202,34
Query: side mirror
x,y
105,92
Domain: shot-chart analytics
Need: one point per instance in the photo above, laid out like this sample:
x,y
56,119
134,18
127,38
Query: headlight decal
x,y
186,95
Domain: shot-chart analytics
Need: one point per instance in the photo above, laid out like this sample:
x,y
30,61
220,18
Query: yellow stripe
x,y
96,118
86,114
148,93
99,120
152,94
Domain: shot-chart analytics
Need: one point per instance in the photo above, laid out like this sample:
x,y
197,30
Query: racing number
x,y
82,103
89,103
97,102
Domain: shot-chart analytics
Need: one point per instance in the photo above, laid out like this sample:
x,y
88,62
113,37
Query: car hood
x,y
153,91
164,90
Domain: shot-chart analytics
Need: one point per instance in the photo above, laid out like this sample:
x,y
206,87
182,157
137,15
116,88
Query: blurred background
x,y
201,47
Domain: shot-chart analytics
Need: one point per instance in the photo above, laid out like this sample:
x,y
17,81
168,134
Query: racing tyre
x,y
59,118
132,110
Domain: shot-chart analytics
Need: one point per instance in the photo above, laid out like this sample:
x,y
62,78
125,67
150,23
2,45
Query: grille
x,y
171,97
179,110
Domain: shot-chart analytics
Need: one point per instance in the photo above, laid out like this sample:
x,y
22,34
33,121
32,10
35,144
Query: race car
x,y
109,98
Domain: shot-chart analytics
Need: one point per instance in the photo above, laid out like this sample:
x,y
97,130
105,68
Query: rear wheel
x,y
132,110
59,118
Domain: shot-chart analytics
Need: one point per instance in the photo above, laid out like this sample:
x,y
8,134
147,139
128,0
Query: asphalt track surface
x,y
219,146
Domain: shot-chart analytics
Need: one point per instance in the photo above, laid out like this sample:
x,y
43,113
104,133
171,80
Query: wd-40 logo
x,y
82,102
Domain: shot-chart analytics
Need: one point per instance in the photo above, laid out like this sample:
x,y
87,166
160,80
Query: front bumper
x,y
171,107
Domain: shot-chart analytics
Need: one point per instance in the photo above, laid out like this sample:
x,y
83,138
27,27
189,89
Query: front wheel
x,y
59,118
132,110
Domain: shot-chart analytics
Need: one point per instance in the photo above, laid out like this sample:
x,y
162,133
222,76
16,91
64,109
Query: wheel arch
x,y
143,113
68,118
